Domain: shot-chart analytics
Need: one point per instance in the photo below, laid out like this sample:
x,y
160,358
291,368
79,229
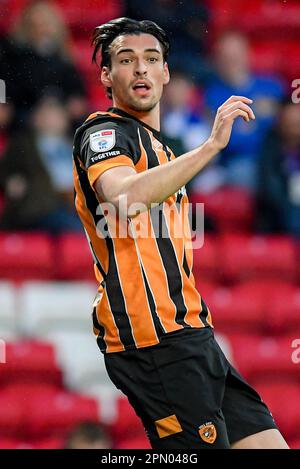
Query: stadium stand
x,y
75,261
79,348
72,302
26,255
287,416
30,361
264,356
244,257
125,423
231,208
7,310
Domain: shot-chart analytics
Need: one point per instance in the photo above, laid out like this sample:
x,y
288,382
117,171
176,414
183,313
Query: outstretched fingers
x,y
229,108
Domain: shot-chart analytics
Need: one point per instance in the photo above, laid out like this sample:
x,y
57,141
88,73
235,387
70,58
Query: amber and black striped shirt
x,y
147,286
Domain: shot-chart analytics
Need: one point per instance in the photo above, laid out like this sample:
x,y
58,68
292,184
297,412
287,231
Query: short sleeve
x,y
105,146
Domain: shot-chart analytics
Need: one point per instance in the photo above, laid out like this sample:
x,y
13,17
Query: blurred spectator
x,y
36,173
185,23
185,126
180,117
88,435
6,115
234,77
279,174
35,60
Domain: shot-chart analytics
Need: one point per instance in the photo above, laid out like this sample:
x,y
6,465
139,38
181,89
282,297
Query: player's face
x,y
137,73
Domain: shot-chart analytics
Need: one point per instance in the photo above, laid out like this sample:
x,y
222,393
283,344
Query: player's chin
x,y
143,104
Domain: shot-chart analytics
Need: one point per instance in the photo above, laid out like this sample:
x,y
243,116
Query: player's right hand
x,y
235,106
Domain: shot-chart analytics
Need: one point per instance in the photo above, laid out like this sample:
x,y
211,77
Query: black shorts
x,y
187,393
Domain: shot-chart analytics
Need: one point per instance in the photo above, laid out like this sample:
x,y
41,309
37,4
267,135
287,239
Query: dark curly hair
x,y
104,35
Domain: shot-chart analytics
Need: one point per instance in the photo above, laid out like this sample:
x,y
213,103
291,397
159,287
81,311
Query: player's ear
x,y
105,77
166,74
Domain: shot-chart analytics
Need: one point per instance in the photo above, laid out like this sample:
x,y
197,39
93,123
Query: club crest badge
x,y
208,432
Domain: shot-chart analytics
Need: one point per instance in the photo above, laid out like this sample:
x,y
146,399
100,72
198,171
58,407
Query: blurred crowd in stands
x,y
51,87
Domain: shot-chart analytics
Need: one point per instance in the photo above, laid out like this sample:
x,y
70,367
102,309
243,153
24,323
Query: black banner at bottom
x,y
142,458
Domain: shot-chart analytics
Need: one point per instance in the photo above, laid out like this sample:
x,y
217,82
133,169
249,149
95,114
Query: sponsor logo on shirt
x,y
102,156
103,140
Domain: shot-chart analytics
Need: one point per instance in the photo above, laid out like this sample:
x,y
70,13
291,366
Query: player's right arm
x,y
123,183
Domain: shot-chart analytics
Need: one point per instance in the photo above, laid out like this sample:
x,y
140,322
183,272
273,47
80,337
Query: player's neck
x,y
151,118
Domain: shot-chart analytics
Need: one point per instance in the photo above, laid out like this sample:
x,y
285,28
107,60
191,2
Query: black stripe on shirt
x,y
100,337
157,324
204,313
112,283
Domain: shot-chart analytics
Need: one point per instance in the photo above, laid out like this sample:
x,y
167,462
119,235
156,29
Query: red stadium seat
x,y
82,53
41,411
263,19
294,444
222,14
96,95
206,260
11,414
291,60
276,56
12,443
237,309
7,443
50,443
10,9
206,289
17,403
244,257
230,208
262,357
26,255
257,17
56,413
138,442
266,56
282,398
30,361
82,17
74,260
259,306
126,423
282,308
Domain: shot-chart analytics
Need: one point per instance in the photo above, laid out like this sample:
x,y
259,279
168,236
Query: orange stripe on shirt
x,y
95,171
105,318
155,272
129,267
142,164
87,219
192,298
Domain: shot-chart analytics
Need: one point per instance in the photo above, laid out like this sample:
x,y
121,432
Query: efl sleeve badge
x,y
103,140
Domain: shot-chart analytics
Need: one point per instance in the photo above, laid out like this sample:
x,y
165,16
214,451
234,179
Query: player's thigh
x,y
246,415
267,439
